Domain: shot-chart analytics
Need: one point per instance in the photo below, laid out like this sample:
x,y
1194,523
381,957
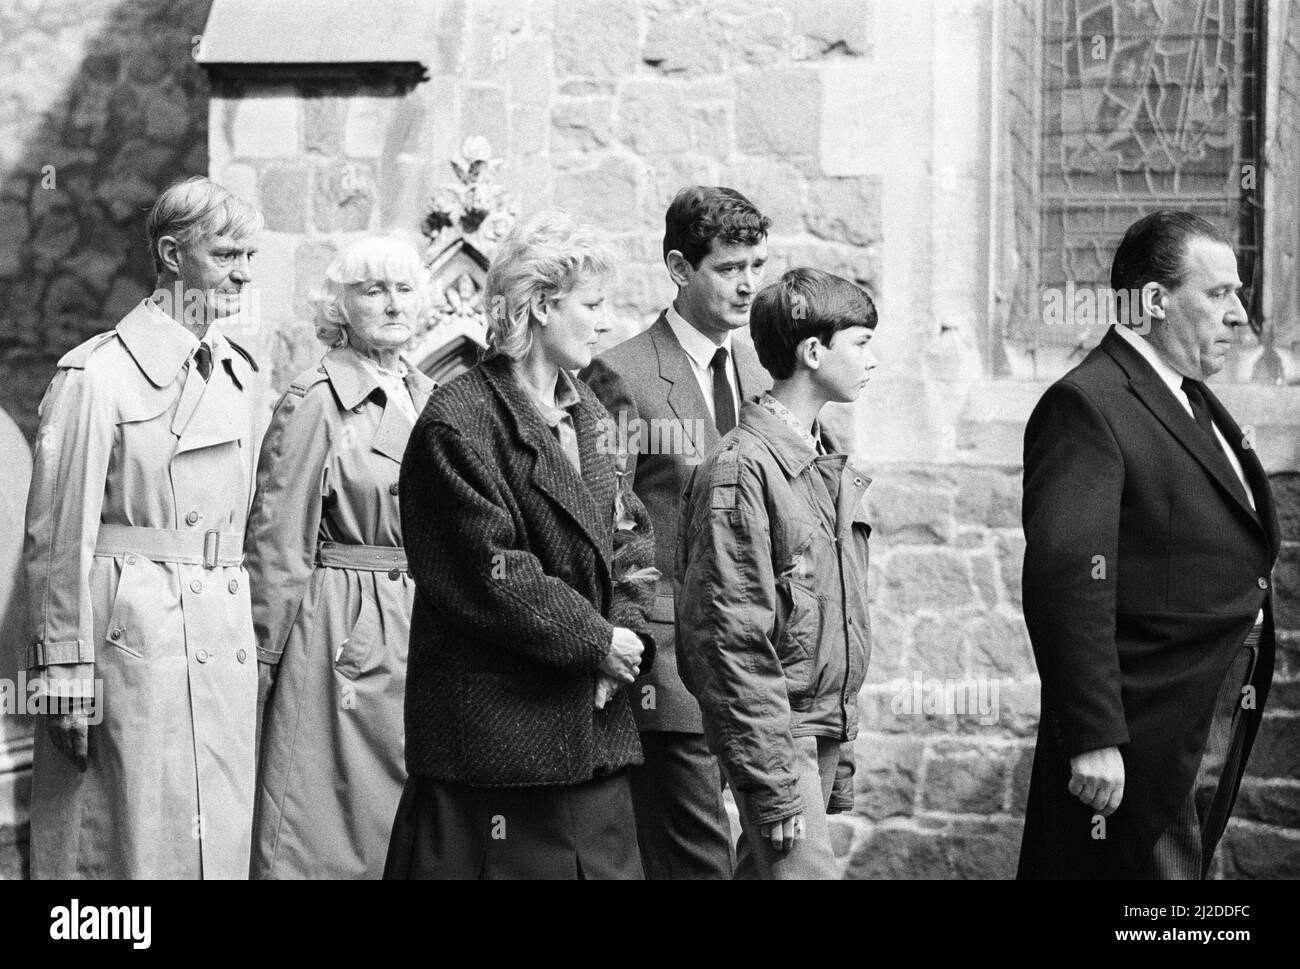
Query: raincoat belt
x,y
370,558
210,549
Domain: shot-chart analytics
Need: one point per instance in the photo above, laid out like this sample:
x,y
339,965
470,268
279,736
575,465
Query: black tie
x,y
203,360
1195,391
1200,409
724,405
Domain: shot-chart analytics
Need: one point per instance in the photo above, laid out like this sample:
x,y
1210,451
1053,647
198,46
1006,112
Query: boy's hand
x,y
783,833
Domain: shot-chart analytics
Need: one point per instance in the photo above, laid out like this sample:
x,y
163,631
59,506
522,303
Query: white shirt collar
x,y
697,346
1167,373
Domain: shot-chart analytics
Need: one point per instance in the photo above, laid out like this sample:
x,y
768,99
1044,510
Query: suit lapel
x,y
1152,391
1265,510
751,378
684,397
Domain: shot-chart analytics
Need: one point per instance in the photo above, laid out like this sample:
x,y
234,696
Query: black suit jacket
x,y
648,385
1144,570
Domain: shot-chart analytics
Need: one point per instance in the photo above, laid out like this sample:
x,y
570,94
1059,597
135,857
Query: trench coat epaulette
x,y
725,476
306,380
75,359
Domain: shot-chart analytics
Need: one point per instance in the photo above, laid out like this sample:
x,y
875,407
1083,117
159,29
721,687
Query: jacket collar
x,y
354,381
1160,400
588,499
158,344
786,444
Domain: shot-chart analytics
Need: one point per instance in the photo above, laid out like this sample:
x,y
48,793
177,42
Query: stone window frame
x,y
991,417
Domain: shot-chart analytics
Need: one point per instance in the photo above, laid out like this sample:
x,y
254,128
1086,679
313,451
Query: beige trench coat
x,y
131,435
332,767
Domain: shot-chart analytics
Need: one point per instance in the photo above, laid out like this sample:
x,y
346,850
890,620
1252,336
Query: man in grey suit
x,y
673,391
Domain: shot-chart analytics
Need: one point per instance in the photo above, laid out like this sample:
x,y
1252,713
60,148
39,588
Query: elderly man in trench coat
x,y
139,495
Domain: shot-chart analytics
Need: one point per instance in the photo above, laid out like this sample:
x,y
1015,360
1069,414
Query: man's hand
x,y
1097,779
70,732
782,834
623,661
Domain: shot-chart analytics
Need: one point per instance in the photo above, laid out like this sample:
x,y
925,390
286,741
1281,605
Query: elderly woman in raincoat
x,y
137,599
331,593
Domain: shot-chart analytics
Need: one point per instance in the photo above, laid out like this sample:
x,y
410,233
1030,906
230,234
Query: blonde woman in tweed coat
x,y
534,574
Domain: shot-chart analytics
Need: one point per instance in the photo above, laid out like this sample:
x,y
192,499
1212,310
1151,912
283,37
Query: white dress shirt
x,y
700,350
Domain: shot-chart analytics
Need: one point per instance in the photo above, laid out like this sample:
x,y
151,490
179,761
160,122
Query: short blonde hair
x,y
548,255
197,207
374,257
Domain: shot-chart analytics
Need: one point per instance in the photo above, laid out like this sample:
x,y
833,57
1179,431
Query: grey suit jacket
x,y
648,386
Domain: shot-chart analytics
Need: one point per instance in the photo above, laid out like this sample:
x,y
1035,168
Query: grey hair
x,y
548,255
374,257
196,207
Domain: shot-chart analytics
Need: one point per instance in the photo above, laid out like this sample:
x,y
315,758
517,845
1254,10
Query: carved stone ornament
x,y
465,223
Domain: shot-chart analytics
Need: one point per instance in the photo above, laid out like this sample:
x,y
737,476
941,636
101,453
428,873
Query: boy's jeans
x,y
811,856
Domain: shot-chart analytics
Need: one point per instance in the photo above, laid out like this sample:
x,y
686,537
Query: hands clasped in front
x,y
621,665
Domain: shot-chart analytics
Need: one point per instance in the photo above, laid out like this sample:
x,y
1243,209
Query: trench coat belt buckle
x,y
366,558
210,549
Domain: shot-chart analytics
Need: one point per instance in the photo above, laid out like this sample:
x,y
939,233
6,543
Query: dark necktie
x,y
1195,392
203,360
724,405
1200,409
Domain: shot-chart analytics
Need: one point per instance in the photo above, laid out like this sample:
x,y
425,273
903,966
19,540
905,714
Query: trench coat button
x,y
395,574
233,586
201,656
130,560
196,586
192,518
242,656
392,488
857,481
115,634
1263,582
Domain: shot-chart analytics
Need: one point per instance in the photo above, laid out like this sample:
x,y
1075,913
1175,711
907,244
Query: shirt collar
x,y
566,397
786,417
1166,373
697,346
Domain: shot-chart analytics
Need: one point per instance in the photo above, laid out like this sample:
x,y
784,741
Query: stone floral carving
x,y
478,208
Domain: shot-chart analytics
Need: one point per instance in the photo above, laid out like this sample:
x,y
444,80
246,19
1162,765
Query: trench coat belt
x,y
367,558
209,549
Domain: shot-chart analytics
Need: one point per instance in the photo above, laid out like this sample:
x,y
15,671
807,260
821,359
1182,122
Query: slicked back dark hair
x,y
699,214
804,303
1154,249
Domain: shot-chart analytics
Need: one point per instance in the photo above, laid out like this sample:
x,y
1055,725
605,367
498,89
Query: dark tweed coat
x,y
511,551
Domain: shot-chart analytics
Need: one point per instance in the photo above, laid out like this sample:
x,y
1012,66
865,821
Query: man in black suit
x,y
1150,538
674,390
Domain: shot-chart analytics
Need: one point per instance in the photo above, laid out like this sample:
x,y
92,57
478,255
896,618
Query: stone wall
x,y
603,108
862,128
101,106
942,795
